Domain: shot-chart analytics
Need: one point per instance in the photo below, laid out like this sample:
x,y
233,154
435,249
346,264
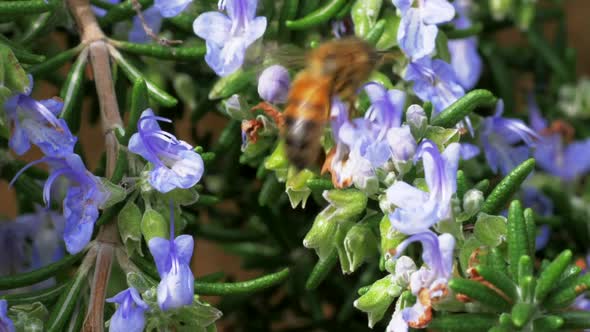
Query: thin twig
x,y
148,30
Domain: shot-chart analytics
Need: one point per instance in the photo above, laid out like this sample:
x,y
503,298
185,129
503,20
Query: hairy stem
x,y
108,239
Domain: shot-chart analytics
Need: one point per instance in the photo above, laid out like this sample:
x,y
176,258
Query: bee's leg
x,y
271,111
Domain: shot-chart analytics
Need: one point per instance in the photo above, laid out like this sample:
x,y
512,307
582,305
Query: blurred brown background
x,y
208,258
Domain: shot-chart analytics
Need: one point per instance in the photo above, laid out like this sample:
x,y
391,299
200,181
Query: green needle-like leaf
x,y
499,280
52,64
516,237
522,313
70,93
563,297
548,323
320,270
463,107
241,287
464,322
185,53
481,293
65,305
35,276
502,193
133,74
25,7
551,274
139,103
575,320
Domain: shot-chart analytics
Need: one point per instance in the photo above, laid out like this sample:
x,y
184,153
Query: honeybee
x,y
335,68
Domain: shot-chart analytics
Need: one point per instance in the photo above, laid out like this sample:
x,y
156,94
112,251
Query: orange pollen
x,y
581,263
251,127
463,298
426,317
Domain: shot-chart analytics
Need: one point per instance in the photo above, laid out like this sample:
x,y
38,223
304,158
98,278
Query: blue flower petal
x,y
160,249
214,27
171,8
437,11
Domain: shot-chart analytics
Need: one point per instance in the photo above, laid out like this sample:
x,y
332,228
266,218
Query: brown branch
x,y
108,237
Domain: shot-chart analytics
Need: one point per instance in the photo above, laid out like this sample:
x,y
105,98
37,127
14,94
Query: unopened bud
x,y
129,224
359,244
273,84
153,224
472,201
378,298
297,188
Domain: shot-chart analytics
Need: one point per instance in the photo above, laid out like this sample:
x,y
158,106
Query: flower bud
x,y
321,235
472,201
348,204
273,84
153,224
297,188
129,224
359,245
417,120
377,300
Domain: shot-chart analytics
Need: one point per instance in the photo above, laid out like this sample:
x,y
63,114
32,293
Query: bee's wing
x,y
290,56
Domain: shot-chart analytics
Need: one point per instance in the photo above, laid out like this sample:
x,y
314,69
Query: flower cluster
x,y
37,123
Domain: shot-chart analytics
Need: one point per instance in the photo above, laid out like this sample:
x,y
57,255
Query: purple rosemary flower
x,y
465,59
6,324
13,244
434,81
129,316
273,84
30,241
228,37
553,154
173,257
417,30
417,210
175,164
84,197
361,144
36,122
82,202
500,138
429,283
